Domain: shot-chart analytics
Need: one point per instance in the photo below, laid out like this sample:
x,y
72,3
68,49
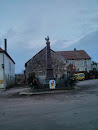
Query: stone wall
x,y
38,64
59,64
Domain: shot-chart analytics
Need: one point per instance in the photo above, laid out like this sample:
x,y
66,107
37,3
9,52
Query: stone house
x,y
37,64
7,68
79,58
60,60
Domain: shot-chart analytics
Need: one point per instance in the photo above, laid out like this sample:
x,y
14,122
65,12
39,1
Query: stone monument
x,y
49,70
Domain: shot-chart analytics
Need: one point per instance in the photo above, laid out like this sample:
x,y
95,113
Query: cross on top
x,y
47,39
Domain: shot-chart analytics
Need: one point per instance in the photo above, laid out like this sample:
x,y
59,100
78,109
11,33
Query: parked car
x,y
80,76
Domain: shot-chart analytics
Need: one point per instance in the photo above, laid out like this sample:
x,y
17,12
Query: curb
x,y
44,92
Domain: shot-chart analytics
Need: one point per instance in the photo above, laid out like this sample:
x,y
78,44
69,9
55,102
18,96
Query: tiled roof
x,y
1,49
68,55
76,54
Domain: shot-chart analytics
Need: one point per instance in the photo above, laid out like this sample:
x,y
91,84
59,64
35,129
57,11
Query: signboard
x,y
52,84
1,81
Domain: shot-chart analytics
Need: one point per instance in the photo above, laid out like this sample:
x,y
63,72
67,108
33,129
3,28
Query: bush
x,y
33,80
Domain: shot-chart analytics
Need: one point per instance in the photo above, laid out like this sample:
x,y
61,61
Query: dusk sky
x,y
26,23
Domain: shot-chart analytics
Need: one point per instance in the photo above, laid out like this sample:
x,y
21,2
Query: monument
x,y
49,70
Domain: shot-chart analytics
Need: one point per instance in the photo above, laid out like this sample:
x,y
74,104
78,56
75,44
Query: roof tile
x,y
1,49
77,54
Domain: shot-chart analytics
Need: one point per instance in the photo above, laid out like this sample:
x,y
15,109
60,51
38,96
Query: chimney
x,y
74,49
5,41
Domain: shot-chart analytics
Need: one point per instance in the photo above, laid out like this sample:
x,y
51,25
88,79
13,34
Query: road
x,y
71,110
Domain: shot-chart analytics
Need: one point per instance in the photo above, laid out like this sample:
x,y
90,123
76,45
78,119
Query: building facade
x,y
7,69
37,64
60,60
79,58
94,66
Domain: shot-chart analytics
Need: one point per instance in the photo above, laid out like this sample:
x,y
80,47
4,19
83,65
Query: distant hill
x,y
89,43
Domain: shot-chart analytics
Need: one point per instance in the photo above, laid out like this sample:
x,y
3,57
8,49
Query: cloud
x,y
62,44
22,36
23,42
26,27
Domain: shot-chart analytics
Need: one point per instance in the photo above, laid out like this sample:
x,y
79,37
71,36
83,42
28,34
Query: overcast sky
x,y
26,23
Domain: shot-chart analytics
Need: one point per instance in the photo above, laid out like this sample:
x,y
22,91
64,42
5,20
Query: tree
x,y
71,69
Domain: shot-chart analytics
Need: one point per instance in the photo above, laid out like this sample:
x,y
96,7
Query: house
x,y
60,60
94,66
7,68
79,58
37,64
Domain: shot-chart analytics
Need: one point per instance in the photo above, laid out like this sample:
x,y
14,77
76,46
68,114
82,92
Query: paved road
x,y
71,110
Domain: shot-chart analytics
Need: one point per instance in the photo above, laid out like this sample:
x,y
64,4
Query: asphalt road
x,y
71,110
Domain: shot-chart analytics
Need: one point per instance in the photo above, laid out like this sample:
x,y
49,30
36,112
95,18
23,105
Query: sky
x,y
26,23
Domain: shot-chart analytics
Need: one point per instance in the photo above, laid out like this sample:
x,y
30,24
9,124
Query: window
x,y
85,63
76,76
85,69
73,63
81,75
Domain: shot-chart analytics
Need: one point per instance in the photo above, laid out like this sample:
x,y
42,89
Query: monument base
x,y
49,74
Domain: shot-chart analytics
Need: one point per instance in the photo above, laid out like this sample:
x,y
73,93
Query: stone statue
x,y
47,39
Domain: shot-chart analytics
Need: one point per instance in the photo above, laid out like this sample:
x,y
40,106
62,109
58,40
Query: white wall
x,y
9,71
79,64
1,71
